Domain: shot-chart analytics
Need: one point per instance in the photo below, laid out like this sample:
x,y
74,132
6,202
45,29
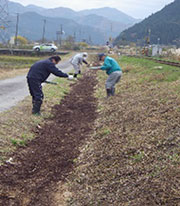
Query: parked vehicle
x,y
45,47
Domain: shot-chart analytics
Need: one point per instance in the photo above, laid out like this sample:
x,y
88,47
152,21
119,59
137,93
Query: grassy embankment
x,y
17,124
133,157
15,65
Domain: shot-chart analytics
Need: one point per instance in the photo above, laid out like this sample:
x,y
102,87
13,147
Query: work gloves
x,y
70,77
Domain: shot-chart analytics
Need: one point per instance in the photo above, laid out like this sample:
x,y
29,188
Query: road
x,y
15,89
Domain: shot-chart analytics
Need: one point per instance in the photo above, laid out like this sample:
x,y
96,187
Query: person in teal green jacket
x,y
114,72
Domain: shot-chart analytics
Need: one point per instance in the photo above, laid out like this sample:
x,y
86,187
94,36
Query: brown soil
x,y
35,171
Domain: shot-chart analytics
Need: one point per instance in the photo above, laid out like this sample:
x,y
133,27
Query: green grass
x,y
138,157
16,142
104,131
17,62
150,70
175,158
166,59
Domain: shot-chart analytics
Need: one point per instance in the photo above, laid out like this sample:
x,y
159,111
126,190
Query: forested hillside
x,y
163,25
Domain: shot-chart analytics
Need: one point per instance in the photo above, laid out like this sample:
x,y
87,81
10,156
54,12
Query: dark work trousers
x,y
35,89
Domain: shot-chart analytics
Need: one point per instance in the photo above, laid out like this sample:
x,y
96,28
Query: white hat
x,y
85,54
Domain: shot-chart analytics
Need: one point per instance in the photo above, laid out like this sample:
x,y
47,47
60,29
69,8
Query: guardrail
x,y
26,52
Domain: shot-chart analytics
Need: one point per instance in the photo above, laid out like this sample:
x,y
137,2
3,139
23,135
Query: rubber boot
x,y
108,91
36,107
113,91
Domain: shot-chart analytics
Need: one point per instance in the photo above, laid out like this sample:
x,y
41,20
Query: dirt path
x,y
15,89
36,169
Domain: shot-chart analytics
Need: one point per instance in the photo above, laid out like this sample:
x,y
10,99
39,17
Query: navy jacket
x,y
42,69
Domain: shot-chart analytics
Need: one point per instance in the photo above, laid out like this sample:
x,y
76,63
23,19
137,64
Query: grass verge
x,y
18,125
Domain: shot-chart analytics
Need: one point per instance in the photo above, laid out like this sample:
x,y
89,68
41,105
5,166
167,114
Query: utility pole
x,y
17,27
149,36
44,30
110,39
80,34
61,32
90,40
57,37
74,36
158,49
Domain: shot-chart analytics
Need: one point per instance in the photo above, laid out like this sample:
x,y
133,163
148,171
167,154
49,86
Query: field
x,y
90,150
133,156
15,65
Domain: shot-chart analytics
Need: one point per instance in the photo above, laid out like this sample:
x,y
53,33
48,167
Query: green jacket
x,y
110,65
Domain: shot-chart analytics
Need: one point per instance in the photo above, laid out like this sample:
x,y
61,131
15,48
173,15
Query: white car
x,y
45,47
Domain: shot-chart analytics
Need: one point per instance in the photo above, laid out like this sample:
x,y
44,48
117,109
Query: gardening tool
x,y
49,82
95,68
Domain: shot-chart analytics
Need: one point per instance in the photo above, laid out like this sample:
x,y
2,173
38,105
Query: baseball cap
x,y
100,55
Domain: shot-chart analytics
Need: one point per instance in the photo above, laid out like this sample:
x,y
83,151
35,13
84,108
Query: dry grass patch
x,y
9,73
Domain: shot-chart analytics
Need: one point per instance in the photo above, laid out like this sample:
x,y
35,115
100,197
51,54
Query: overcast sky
x,y
134,8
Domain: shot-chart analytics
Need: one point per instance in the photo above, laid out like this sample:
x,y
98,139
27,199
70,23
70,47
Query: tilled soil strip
x,y
35,170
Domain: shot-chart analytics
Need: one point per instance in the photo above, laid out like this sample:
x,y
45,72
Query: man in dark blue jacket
x,y
38,74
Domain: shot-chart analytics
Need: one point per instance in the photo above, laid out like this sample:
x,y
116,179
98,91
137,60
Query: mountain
x,y
106,22
111,14
14,8
61,12
34,8
31,27
163,25
108,27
